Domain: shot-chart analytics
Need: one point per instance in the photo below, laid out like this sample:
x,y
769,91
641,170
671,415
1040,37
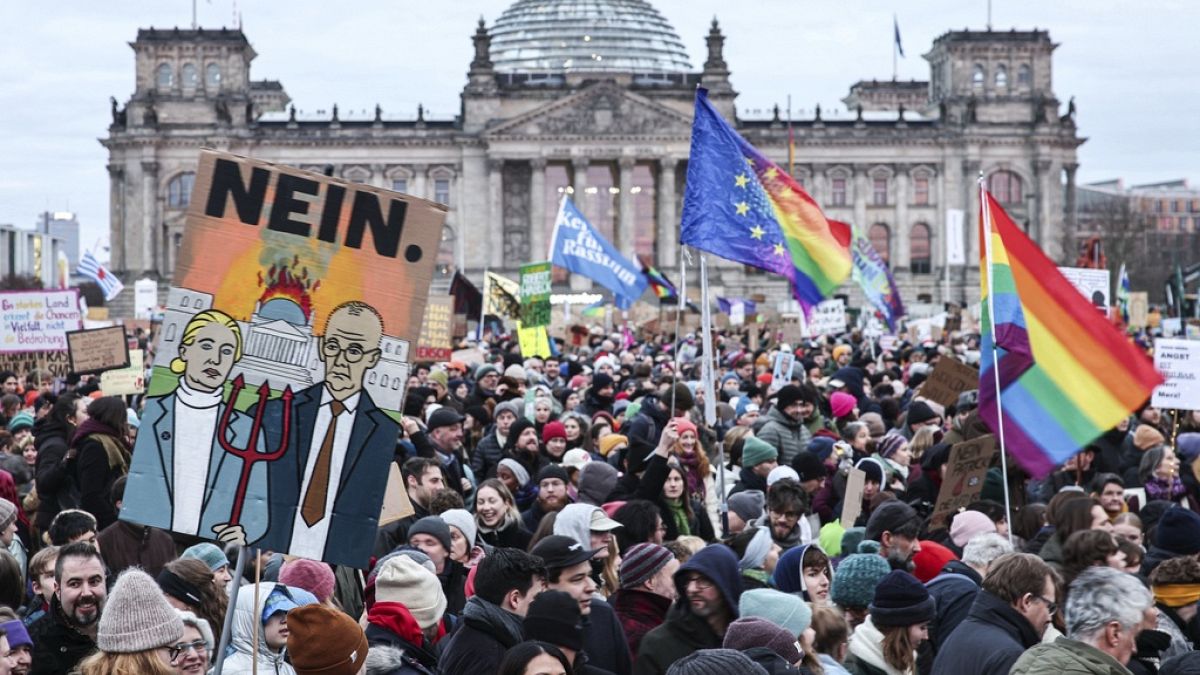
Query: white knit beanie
x,y
137,616
403,580
464,521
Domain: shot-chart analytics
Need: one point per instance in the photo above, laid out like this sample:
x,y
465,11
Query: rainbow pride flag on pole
x,y
741,206
1064,374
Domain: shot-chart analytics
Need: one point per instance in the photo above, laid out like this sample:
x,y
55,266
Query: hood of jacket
x,y
718,563
789,571
597,482
245,614
575,521
961,568
1065,654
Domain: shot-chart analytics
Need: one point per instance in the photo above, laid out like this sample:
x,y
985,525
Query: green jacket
x,y
1067,657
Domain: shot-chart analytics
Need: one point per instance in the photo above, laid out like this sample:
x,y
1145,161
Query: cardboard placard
x,y
98,350
56,364
396,504
38,321
950,377
295,302
782,375
828,318
435,342
856,480
1092,284
1179,363
126,381
1139,309
535,294
964,476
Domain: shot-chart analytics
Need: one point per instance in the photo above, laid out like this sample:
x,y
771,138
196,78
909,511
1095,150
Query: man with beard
x,y
524,445
786,506
422,478
486,379
442,440
552,496
895,526
1175,585
1109,490
67,633
790,423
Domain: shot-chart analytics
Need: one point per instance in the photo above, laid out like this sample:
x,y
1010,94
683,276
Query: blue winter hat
x,y
855,579
280,600
209,554
789,611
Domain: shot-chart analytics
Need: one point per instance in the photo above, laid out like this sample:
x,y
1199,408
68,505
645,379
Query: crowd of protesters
x,y
576,514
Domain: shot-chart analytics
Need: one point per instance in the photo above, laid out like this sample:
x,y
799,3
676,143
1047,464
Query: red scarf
x,y
395,617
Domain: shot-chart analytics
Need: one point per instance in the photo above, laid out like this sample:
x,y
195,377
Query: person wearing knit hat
x,y
314,577
745,507
684,401
324,641
21,422
611,443
899,614
810,469
920,414
552,495
758,459
1146,437
765,643
463,530
1177,534
874,421
854,583
406,593
270,615
780,473
554,440
842,404
791,421
929,561
647,590
214,557
967,524
554,618
746,411
135,630
8,525
786,610
842,354
715,662
1176,587
432,536
895,525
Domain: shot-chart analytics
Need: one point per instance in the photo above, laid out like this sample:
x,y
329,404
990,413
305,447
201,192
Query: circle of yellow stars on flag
x,y
754,211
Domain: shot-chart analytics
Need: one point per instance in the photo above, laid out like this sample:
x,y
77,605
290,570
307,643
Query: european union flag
x,y
741,206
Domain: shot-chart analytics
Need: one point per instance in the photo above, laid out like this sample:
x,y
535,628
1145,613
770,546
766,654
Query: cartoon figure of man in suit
x,y
327,489
181,479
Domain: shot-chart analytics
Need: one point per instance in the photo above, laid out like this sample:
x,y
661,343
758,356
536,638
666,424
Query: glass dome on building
x,y
556,36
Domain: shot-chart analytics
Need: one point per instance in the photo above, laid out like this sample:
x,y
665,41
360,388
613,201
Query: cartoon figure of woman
x,y
180,478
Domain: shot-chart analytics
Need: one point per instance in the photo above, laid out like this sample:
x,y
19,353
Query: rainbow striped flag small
x,y
595,309
1066,375
741,206
662,286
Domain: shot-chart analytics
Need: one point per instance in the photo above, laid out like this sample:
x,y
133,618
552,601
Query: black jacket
x,y
388,537
513,536
988,642
57,646
954,591
479,644
454,579
54,476
773,663
95,477
604,640
395,655
748,480
487,455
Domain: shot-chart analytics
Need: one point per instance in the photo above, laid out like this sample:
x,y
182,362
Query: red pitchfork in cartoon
x,y
250,455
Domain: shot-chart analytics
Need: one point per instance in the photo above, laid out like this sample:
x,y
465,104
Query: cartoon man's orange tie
x,y
313,509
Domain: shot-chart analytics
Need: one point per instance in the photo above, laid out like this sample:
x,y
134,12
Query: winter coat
x,y
487,455
95,475
454,580
954,591
772,662
644,432
604,640
1052,553
54,475
639,612
988,642
748,480
397,642
388,537
245,615
512,535
1067,657
785,434
866,652
383,659
57,646
1167,624
683,632
478,646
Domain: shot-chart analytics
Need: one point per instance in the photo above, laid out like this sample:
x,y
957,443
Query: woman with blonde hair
x,y
138,630
497,517
182,462
886,643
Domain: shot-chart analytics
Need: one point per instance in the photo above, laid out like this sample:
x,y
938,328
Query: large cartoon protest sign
x,y
271,414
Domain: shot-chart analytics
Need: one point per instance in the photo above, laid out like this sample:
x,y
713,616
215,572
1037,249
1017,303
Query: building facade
x,y
594,100
29,253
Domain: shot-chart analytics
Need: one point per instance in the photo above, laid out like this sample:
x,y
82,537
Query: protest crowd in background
x,y
568,520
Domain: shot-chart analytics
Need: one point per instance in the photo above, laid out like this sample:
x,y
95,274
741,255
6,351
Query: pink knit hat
x,y
842,403
967,524
314,577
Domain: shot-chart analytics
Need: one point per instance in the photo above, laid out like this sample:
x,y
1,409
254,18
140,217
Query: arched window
x,y
978,76
1001,77
179,190
164,77
188,76
919,249
880,237
837,191
445,258
1024,75
1005,186
212,76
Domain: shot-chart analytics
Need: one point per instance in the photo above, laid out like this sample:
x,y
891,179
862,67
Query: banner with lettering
x,y
38,321
579,248
271,415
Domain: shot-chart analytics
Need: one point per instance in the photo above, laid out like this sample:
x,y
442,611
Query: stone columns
x,y
668,220
970,175
859,185
901,256
625,211
538,240
418,187
495,224
149,229
1069,222
819,190
116,224
579,185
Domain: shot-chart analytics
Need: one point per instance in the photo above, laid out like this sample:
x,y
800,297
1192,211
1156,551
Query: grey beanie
x,y
715,662
137,616
514,406
435,527
748,505
596,482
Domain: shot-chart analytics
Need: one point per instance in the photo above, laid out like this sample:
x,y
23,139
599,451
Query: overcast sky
x,y
1132,69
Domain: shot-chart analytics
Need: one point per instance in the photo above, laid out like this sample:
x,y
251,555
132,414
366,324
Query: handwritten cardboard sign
x,y
126,381
98,350
856,481
38,321
51,365
1139,309
1179,362
963,481
434,343
828,318
950,377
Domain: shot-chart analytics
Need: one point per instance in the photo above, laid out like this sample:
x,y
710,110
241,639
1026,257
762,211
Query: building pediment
x,y
601,109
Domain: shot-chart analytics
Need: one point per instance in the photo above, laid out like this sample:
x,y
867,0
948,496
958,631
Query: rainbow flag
x,y
741,206
1066,375
595,309
662,286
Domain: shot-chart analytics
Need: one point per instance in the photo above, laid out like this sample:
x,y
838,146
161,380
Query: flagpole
x,y
483,304
987,230
710,398
680,304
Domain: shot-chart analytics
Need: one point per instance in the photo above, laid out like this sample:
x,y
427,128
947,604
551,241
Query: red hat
x,y
765,378
930,560
553,429
683,424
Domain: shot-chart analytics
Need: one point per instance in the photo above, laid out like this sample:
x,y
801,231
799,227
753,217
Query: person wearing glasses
x,y
136,634
327,487
1010,614
193,652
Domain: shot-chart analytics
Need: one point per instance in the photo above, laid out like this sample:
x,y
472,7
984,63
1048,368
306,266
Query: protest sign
x,y
1091,284
51,365
1179,363
434,343
533,341
1139,309
828,318
964,476
295,302
126,381
38,321
579,247
97,350
782,375
956,243
535,294
856,481
396,504
950,377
